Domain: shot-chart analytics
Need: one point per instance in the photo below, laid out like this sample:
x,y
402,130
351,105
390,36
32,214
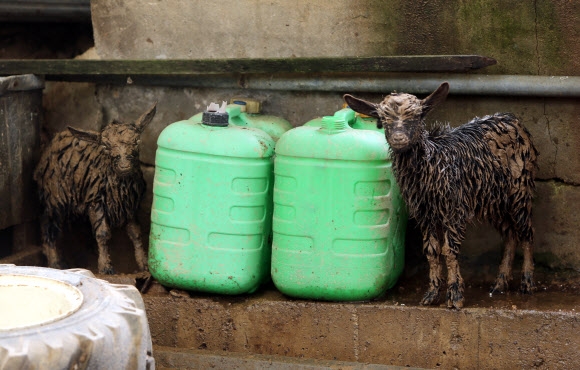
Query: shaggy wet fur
x,y
93,175
483,170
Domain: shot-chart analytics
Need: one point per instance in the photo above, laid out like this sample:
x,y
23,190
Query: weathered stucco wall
x,y
529,37
525,36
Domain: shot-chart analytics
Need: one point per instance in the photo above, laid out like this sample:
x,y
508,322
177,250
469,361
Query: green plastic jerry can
x,y
212,206
339,220
245,112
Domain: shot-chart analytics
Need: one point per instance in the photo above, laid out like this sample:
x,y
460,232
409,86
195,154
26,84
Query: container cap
x,y
215,115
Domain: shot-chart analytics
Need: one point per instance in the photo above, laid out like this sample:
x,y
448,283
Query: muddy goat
x,y
96,176
483,170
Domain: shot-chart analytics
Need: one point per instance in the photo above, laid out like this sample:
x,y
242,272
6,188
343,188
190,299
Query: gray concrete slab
x,y
167,358
500,332
506,331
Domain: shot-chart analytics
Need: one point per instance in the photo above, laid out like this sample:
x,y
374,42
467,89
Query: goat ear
x,y
436,98
146,118
361,106
90,136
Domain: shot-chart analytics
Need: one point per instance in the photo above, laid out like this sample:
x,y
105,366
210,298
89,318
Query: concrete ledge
x,y
510,331
171,358
31,256
499,332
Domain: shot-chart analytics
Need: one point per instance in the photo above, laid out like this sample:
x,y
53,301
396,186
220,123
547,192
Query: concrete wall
x,y
527,37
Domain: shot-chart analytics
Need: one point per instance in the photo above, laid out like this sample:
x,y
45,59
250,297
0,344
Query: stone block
x,y
555,241
526,44
267,326
295,328
234,29
522,340
205,325
503,332
556,221
439,337
163,317
562,119
71,104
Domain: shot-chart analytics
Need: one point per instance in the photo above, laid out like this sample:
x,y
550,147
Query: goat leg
x,y
455,286
102,233
527,285
504,275
50,230
52,255
432,250
134,233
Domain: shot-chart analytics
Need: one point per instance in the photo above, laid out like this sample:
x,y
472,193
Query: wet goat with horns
x,y
483,170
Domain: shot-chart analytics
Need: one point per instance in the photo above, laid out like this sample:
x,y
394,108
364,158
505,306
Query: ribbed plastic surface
x,y
212,207
339,221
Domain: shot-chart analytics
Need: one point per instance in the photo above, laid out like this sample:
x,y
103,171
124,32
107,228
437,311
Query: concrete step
x,y
508,331
169,358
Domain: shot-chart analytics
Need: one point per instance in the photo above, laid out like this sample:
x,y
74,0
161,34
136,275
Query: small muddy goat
x,y
97,176
483,170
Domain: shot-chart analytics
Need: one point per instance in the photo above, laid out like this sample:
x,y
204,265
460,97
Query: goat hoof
x,y
500,285
431,297
527,285
107,271
59,265
497,288
455,297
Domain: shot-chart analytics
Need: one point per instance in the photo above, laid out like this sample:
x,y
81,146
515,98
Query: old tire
x,y
107,330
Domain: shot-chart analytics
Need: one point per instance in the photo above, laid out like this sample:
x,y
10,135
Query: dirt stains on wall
x,y
535,37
